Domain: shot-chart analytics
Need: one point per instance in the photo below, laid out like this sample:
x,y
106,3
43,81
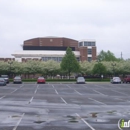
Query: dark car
x,y
80,80
2,82
126,79
17,79
41,80
6,77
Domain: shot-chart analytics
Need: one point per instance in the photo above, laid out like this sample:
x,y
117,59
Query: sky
x,y
105,21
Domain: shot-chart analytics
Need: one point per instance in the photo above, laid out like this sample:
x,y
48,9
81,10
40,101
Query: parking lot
x,y
91,106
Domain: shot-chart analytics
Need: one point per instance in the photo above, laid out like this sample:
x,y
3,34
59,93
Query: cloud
x,y
106,21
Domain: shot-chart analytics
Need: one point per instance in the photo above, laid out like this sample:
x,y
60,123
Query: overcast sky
x,y
106,21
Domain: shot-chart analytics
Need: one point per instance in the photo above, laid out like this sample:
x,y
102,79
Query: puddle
x,y
102,120
39,122
15,116
99,120
72,119
94,115
112,112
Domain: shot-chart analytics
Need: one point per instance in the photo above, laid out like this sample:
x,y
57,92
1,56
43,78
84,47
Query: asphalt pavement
x,y
91,106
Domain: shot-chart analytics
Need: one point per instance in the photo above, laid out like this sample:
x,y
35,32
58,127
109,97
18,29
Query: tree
x,y
69,62
51,68
99,69
86,67
106,56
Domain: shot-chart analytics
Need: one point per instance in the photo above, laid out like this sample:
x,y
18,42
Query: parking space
x,y
88,106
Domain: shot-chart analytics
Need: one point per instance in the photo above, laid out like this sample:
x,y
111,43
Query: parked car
x,y
2,82
41,80
17,79
115,80
80,80
6,77
126,79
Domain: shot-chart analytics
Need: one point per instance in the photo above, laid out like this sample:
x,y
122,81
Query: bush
x,y
67,80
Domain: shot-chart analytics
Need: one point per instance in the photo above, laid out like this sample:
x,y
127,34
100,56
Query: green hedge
x,y
66,80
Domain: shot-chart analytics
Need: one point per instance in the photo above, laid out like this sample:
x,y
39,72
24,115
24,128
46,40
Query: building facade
x,y
54,48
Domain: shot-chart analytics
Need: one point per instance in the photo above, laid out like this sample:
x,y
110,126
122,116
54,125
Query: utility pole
x,y
121,55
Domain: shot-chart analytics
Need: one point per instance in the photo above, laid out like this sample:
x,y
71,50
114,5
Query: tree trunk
x,y
69,75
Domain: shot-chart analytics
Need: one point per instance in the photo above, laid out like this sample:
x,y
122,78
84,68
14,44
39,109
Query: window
x,y
92,43
89,51
85,43
44,58
77,58
54,58
89,59
80,43
59,59
89,43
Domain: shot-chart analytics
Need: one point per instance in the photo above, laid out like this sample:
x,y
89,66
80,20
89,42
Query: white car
x,y
116,80
80,80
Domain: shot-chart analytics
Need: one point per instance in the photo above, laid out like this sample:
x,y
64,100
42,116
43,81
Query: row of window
x,y
89,51
58,59
86,43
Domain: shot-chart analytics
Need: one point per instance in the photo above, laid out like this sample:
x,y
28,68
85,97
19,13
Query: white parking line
x,y
63,100
77,92
68,86
119,92
85,122
99,92
36,89
100,86
14,90
74,90
21,86
56,92
97,101
53,86
18,122
2,97
84,86
30,100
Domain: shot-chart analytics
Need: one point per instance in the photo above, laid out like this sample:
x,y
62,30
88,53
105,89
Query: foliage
x,y
51,68
69,62
99,69
107,56
86,67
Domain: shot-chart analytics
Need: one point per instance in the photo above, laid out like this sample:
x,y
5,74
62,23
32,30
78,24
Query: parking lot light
x,y
10,62
113,65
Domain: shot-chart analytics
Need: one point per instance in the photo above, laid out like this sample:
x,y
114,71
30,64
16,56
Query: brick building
x,y
54,48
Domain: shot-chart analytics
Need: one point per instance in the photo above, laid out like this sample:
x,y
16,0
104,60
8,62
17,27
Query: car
x,y
2,82
115,80
41,80
17,79
80,80
6,77
126,79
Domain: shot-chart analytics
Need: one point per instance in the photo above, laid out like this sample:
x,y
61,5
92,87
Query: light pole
x,y
113,65
99,61
10,62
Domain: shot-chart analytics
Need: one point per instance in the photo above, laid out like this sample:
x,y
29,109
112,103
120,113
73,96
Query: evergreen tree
x,y
69,62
